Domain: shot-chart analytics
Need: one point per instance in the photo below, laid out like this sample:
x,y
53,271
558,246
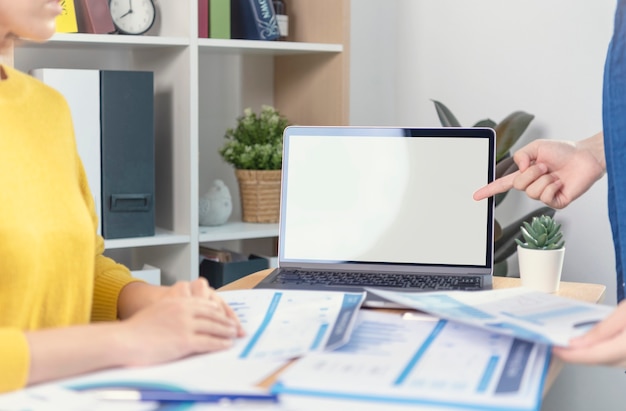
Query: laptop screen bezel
x,y
408,132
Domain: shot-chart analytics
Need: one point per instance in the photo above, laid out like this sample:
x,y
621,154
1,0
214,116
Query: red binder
x,y
203,19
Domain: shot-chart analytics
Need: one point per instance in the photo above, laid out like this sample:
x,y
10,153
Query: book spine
x,y
255,20
203,19
94,17
66,21
219,19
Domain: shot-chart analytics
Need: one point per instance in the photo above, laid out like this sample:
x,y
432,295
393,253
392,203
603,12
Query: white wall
x,y
487,58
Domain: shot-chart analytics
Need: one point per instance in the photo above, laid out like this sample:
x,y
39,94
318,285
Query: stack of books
x,y
237,19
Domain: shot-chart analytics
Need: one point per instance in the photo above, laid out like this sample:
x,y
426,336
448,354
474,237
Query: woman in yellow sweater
x,y
60,298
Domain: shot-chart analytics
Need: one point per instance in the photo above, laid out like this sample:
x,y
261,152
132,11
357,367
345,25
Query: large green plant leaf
x,y
504,167
486,123
505,246
509,130
446,117
501,269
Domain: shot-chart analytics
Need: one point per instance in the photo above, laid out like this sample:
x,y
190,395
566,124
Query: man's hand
x,y
555,172
604,344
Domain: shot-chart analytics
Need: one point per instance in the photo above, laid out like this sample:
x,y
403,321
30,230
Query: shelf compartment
x,y
161,237
237,231
275,48
109,41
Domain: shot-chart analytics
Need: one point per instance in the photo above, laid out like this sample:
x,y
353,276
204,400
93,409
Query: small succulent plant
x,y
543,233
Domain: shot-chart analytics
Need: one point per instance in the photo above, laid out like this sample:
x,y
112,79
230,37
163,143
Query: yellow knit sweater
x,y
52,271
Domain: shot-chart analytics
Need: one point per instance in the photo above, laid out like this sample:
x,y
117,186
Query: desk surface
x,y
593,293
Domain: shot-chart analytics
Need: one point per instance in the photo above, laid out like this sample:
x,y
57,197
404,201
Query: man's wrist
x,y
595,146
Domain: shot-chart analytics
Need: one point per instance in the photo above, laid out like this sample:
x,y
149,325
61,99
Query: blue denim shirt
x,y
614,127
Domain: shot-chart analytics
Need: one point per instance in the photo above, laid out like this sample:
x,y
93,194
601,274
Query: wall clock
x,y
132,16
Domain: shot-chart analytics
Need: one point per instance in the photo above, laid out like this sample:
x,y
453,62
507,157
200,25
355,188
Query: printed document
x,y
518,312
279,325
313,321
423,363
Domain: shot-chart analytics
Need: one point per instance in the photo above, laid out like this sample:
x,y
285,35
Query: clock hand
x,y
130,9
126,14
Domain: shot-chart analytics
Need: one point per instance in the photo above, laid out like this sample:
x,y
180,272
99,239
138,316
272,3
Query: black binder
x,y
127,143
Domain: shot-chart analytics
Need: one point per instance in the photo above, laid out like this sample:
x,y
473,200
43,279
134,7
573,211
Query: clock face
x,y
132,16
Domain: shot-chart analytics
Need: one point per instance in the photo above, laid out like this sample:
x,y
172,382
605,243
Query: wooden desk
x,y
593,293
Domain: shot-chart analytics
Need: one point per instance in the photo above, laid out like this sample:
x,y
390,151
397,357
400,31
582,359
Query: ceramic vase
x,y
540,269
216,205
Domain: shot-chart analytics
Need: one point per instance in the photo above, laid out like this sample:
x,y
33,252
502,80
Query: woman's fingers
x,y
200,288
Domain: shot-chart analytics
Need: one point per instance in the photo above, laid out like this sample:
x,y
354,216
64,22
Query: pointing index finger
x,y
496,187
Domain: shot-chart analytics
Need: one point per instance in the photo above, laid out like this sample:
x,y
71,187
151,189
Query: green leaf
x,y
486,123
501,269
505,167
446,117
509,130
499,198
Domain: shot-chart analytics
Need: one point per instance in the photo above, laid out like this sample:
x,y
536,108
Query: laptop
x,y
385,207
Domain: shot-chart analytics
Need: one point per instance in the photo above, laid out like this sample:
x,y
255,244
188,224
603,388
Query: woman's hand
x,y
136,296
176,326
200,288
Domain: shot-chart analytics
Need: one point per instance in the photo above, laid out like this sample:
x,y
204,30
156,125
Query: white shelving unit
x,y
201,87
237,231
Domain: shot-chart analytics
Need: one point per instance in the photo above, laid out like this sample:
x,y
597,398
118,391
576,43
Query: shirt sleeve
x,y
15,359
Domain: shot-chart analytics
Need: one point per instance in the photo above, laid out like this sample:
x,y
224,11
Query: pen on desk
x,y
164,395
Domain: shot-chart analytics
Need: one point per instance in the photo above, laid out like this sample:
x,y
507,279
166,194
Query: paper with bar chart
x,y
426,363
519,312
312,320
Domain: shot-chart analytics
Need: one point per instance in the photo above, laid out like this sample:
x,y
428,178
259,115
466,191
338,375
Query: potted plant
x,y
508,132
541,254
255,148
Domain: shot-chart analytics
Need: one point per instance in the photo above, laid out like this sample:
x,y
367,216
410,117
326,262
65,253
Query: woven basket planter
x,y
260,195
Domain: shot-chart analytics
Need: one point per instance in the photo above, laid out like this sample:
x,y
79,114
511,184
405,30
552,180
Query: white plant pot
x,y
540,269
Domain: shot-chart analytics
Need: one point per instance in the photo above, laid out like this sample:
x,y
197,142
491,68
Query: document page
x,y
289,323
427,363
279,325
208,373
519,312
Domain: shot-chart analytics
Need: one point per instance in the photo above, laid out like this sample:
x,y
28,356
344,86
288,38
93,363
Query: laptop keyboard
x,y
351,278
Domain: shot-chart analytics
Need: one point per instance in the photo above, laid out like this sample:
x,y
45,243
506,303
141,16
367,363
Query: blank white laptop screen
x,y
385,200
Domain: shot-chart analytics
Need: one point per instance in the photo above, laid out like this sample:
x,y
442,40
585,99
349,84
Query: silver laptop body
x,y
360,202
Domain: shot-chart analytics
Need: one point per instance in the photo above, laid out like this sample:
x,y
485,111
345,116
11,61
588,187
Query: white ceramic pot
x,y
540,269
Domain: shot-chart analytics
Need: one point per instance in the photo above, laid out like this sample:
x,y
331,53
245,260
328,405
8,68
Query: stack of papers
x,y
279,325
391,361
485,350
519,312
